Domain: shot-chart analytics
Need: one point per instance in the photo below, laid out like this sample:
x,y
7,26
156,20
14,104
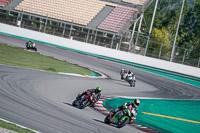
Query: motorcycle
x,y
31,45
120,118
84,101
131,80
123,76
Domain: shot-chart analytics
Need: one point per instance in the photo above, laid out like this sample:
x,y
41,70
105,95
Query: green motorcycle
x,y
31,45
120,118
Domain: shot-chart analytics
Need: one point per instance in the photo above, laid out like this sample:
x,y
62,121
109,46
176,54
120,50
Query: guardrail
x,y
94,36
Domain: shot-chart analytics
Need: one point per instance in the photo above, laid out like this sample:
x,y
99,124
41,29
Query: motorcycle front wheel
x,y
131,83
75,103
84,104
27,47
107,119
123,123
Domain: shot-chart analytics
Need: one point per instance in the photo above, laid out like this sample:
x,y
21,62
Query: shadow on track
x,y
121,82
68,104
104,123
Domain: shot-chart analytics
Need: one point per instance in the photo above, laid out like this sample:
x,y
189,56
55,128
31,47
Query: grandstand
x,y
79,11
84,12
117,18
100,22
108,15
137,2
3,3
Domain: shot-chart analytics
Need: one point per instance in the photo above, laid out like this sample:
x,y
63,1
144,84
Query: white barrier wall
x,y
194,71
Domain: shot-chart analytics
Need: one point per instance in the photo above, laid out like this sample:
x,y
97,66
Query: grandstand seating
x,y
75,11
137,2
117,18
4,2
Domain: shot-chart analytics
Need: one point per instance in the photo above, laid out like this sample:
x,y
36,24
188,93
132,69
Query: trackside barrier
x,y
98,50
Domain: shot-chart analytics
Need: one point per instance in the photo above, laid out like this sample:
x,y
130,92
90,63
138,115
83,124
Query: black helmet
x,y
129,72
136,102
98,89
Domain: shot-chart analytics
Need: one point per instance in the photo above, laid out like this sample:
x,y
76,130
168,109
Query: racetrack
x,y
42,100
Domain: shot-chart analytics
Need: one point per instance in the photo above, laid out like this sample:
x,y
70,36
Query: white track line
x,y
20,125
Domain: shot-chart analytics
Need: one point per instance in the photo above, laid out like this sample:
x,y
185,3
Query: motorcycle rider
x,y
31,43
130,73
96,91
132,105
122,73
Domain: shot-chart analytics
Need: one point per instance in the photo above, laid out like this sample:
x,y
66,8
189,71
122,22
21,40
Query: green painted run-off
x,y
95,74
184,109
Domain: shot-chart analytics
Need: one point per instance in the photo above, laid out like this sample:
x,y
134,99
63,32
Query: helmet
x,y
98,89
122,70
129,72
136,102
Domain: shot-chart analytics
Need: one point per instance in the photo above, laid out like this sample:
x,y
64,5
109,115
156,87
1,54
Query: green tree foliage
x,y
160,35
189,35
165,25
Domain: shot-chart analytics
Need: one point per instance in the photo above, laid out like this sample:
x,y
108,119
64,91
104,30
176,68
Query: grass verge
x,y
13,127
16,56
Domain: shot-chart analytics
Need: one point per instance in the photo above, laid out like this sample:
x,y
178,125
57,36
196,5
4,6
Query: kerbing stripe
x,y
100,107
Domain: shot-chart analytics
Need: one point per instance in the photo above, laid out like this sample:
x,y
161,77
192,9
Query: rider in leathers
x,y
31,43
122,73
133,105
130,73
96,91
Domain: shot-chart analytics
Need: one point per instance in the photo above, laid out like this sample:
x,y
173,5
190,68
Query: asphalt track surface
x,y
42,100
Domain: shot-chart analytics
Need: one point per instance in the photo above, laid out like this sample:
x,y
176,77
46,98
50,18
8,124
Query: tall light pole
x,y
174,44
152,21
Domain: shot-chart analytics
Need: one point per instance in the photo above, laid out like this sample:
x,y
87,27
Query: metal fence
x,y
95,36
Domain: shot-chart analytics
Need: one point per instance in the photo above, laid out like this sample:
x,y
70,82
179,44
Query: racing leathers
x,y
129,105
30,44
97,95
131,74
123,74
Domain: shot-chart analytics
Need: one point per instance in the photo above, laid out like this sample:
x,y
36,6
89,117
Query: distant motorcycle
x,y
123,76
31,45
120,118
84,101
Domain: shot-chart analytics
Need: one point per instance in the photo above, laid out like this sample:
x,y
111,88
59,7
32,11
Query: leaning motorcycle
x,y
123,76
120,118
130,80
84,101
31,46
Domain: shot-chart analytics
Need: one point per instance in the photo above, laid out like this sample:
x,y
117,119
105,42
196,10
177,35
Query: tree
x,y
160,35
189,35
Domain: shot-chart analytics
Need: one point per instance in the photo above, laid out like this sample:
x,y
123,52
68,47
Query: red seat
x,y
4,2
117,18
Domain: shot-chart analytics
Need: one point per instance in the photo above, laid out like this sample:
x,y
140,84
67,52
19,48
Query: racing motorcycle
x,y
123,76
120,118
131,80
84,101
31,45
